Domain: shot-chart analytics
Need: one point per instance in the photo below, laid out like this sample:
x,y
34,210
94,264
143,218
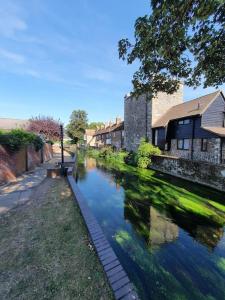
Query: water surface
x,y
169,234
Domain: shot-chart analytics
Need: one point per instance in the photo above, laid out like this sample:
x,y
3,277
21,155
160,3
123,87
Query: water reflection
x,y
155,227
148,221
170,239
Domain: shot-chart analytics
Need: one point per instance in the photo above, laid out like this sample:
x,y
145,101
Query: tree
x,y
45,126
95,125
180,40
77,125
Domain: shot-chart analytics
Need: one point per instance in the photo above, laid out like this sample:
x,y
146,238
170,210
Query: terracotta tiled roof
x,y
187,109
8,124
220,131
111,128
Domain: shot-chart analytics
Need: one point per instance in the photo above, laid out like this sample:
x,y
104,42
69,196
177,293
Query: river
x,y
169,234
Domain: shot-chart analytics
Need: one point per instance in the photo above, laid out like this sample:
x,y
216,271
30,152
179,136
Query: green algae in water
x,y
168,233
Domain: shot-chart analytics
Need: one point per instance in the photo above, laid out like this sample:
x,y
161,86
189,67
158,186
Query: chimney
x,y
106,125
118,120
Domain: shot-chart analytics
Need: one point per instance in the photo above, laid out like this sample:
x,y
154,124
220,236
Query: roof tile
x,y
187,109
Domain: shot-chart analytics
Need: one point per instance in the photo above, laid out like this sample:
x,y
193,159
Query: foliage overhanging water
x,y
168,233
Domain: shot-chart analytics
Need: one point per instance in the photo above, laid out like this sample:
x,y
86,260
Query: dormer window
x,y
184,122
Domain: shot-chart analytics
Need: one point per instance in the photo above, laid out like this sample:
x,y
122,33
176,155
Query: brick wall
x,y
11,164
196,171
47,152
14,164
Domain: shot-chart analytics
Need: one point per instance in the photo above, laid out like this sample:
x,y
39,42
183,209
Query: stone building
x,y
111,134
193,129
141,113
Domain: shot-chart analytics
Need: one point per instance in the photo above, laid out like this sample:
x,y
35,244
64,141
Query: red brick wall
x,y
33,157
11,164
47,152
14,164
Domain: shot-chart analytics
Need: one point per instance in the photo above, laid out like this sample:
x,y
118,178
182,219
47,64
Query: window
x,y
204,145
183,144
184,122
186,144
156,137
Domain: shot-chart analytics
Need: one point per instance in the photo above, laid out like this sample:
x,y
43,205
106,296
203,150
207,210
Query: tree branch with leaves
x,y
179,41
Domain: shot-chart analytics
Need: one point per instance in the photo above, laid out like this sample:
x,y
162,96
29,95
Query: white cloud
x,y
11,56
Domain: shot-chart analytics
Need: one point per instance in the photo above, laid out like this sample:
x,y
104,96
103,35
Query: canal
x,y
169,234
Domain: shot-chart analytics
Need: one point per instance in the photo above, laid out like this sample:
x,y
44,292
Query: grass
x,y
45,251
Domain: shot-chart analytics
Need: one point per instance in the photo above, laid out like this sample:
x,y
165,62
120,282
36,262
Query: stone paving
x,y
20,191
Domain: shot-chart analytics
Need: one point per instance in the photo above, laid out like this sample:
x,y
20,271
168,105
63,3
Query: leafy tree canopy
x,y
77,125
95,125
180,40
46,127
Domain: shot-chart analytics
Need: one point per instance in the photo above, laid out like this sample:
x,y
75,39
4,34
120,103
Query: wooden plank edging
x,y
121,285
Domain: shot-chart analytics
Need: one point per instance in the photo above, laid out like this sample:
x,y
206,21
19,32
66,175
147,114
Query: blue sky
x,y
57,56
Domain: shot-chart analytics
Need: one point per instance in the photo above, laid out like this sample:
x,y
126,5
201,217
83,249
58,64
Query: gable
x,y
213,116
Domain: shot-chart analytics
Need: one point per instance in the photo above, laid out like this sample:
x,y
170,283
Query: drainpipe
x,y
221,150
192,139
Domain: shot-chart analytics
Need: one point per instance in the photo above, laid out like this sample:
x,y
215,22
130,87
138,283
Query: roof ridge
x,y
1,118
188,101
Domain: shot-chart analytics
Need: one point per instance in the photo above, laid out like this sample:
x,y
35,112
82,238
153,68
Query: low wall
x,y
201,172
47,152
34,158
26,159
11,164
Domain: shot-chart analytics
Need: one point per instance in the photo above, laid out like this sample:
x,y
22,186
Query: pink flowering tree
x,y
45,126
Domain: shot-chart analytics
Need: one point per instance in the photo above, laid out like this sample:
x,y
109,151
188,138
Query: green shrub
x,y
131,158
144,154
92,152
37,142
143,162
119,156
106,152
17,138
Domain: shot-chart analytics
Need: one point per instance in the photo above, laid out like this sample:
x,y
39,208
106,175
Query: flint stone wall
x,y
205,173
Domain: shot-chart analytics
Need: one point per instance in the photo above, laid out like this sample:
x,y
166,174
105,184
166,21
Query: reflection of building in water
x,y
161,229
90,163
156,228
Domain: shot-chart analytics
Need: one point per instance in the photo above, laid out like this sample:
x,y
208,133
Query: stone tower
x,y
141,113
